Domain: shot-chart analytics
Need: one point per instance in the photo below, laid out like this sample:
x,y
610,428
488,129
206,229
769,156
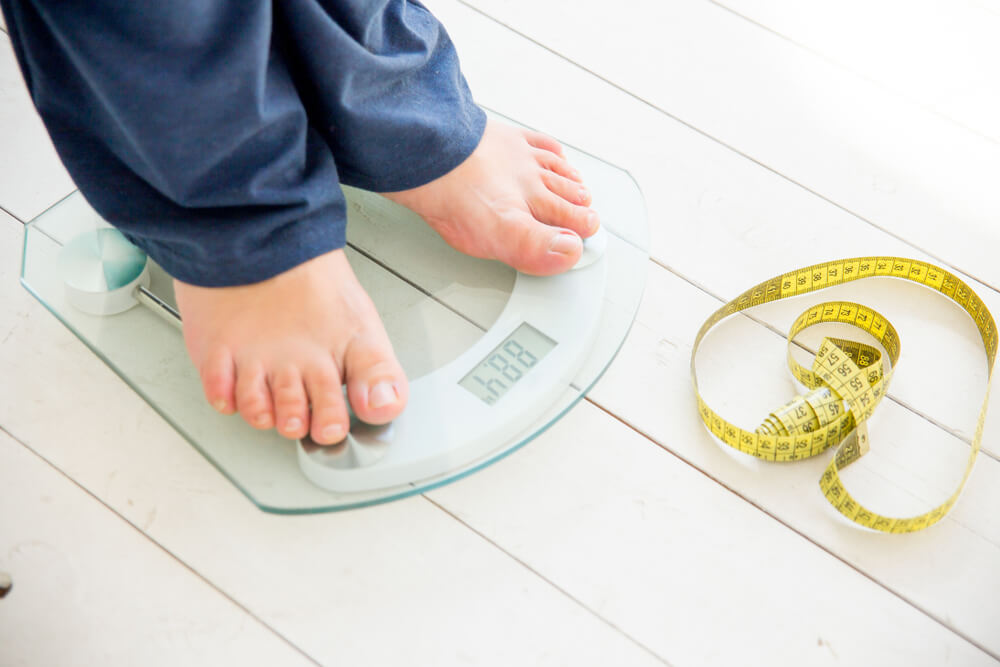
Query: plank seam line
x,y
853,72
11,214
986,8
548,581
161,547
722,143
420,288
801,534
45,210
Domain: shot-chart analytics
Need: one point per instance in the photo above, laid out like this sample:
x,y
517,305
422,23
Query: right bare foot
x,y
279,351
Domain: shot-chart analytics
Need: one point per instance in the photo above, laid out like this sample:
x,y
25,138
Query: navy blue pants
x,y
214,134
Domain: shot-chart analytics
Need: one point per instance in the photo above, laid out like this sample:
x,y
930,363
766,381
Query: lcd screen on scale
x,y
508,363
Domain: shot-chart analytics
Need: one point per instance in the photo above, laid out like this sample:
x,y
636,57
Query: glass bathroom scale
x,y
494,357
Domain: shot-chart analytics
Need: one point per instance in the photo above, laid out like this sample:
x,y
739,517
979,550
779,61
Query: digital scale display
x,y
507,363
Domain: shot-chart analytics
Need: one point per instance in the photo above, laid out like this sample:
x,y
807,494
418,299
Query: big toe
x,y
535,248
376,385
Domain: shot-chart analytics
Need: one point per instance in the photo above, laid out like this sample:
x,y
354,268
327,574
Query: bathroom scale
x,y
494,357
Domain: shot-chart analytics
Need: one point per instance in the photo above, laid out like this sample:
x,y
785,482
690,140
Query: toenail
x,y
583,193
593,222
381,395
293,424
262,420
565,243
334,433
220,404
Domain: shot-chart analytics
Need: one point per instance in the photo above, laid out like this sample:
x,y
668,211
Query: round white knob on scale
x,y
364,445
104,274
101,271
593,249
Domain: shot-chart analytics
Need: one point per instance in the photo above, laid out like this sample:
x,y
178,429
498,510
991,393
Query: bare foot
x,y
515,199
279,351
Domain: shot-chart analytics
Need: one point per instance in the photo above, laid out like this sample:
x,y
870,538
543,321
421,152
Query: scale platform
x,y
494,357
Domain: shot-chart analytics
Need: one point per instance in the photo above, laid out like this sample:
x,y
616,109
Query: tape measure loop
x,y
847,380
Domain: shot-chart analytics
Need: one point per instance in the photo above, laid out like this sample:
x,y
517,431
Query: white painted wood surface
x,y
624,535
867,150
31,176
89,589
941,54
756,204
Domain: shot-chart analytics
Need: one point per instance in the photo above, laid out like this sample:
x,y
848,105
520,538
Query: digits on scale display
x,y
507,363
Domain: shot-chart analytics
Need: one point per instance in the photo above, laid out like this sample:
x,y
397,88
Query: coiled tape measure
x,y
847,379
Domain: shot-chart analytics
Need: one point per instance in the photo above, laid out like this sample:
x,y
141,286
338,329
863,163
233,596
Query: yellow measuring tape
x,y
847,379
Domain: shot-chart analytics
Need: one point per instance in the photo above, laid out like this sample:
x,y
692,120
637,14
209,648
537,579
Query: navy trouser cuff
x,y
436,157
242,259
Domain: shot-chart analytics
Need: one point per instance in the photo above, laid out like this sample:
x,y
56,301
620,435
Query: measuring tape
x,y
847,379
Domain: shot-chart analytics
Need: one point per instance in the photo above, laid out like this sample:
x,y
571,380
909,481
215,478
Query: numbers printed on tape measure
x,y
847,379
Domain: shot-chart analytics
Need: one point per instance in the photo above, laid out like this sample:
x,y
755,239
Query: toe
x,y
218,378
543,141
329,411
558,164
539,249
253,397
572,191
376,384
555,210
291,406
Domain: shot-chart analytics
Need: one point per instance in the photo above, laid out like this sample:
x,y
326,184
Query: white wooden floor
x,y
765,135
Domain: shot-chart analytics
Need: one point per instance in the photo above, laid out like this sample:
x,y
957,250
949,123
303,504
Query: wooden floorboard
x,y
89,589
899,167
940,54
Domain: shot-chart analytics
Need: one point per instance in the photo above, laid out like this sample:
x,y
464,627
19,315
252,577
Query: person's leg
x,y
382,83
181,125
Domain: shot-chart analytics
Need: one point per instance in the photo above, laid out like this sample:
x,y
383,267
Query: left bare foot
x,y
515,199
